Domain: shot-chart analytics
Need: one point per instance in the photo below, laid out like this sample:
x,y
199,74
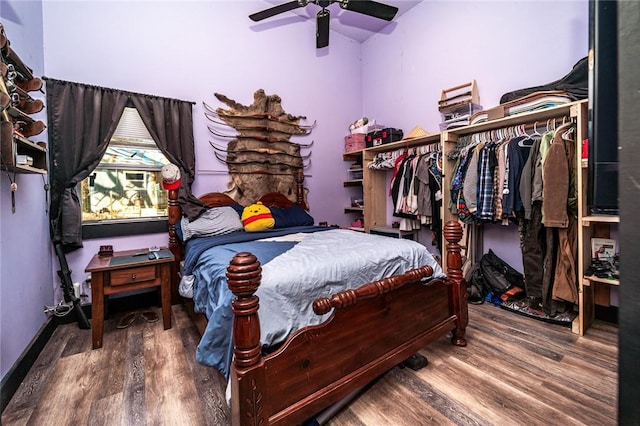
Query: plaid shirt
x,y
486,165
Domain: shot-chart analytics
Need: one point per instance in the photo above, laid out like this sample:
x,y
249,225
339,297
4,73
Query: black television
x,y
602,180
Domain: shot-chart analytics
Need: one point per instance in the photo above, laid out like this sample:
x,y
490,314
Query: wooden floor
x,y
514,371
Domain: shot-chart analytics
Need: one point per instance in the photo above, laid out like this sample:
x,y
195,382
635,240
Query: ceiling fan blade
x,y
273,11
371,8
322,29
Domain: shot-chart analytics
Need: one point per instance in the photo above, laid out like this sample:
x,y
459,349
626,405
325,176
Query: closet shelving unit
x,y
375,190
589,226
350,182
591,290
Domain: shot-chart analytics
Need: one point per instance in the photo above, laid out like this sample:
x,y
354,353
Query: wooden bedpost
x,y
243,276
174,216
453,234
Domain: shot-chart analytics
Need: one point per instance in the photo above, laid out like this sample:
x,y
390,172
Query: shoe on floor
x,y
127,320
149,316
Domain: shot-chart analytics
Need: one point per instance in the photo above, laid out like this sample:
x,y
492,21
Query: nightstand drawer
x,y
133,275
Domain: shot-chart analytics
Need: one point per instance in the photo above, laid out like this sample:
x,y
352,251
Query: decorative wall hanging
x,y
260,156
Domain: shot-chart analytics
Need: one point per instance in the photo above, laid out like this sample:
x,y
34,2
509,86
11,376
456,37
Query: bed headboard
x,y
219,199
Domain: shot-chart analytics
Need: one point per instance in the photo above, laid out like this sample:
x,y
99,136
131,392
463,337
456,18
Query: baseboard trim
x,y
14,377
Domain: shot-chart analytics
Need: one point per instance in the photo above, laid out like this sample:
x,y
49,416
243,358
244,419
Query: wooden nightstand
x,y
126,271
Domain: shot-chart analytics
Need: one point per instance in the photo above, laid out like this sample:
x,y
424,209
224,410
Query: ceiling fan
x,y
366,7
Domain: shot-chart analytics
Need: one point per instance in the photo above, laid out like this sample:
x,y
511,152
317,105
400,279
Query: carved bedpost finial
x,y
453,234
243,276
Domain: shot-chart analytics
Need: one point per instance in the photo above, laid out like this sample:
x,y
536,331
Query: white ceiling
x,y
354,25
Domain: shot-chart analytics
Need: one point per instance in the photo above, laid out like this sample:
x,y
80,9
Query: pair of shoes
x,y
130,318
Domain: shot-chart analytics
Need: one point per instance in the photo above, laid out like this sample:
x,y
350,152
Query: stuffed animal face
x,y
257,217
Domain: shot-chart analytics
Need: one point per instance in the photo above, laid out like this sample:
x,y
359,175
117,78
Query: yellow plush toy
x,y
257,217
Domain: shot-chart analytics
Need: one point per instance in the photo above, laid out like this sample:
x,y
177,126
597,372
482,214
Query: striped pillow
x,y
215,221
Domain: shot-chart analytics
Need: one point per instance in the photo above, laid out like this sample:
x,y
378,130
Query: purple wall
x,y
191,50
26,281
503,45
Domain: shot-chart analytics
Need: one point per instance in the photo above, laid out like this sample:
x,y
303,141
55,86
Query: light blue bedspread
x,y
294,274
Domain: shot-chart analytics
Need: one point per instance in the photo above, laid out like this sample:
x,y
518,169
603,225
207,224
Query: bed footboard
x,y
371,329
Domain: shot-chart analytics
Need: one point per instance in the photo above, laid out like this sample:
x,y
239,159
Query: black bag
x,y
476,285
575,84
498,275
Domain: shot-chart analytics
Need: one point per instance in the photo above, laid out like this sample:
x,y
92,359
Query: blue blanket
x,y
293,275
212,296
207,259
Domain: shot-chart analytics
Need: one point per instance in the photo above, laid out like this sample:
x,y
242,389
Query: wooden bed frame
x,y
372,329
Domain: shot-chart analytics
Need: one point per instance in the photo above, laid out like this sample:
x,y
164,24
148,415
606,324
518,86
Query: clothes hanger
x,y
535,130
567,133
522,132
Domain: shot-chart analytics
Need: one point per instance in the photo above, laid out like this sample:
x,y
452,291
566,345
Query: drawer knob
x,y
133,276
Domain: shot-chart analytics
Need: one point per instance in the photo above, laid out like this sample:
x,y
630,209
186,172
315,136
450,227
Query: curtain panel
x,y
81,120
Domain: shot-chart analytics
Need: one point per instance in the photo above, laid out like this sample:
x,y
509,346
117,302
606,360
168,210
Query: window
x,y
126,186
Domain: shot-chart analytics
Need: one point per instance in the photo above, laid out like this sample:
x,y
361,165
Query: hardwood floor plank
x,y
442,409
37,381
107,411
133,380
170,392
346,418
72,390
19,417
514,371
209,383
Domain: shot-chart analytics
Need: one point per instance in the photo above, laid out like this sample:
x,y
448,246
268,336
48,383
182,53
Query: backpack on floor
x,y
498,275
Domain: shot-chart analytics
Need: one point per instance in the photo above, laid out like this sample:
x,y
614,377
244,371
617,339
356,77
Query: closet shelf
x,y
352,156
354,182
589,278
539,116
587,220
408,143
353,209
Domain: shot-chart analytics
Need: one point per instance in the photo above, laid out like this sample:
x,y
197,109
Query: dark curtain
x,y
81,121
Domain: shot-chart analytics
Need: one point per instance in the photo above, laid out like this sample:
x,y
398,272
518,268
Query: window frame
x,y
138,137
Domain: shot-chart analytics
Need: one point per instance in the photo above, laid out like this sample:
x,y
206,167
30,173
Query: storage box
x,y
382,136
24,160
355,142
365,128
